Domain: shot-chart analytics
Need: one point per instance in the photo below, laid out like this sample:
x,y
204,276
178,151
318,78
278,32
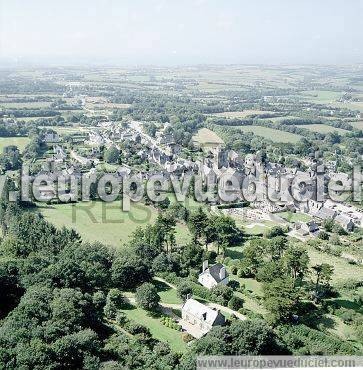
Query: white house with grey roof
x,y
198,319
213,275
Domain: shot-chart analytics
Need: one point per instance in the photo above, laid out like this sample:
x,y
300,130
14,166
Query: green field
x,y
28,119
27,105
321,96
253,227
105,222
20,142
358,125
207,138
277,136
343,271
324,129
294,217
67,130
158,330
166,293
242,114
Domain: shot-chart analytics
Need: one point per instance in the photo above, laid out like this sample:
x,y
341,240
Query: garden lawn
x,y
157,329
166,293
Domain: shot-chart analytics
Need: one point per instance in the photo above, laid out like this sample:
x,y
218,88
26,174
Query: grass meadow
x,y
20,142
324,129
206,137
105,222
276,136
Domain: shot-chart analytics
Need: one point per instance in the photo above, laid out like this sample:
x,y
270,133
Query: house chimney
x,y
222,273
205,265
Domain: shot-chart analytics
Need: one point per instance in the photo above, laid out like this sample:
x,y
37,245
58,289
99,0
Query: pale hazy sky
x,y
182,31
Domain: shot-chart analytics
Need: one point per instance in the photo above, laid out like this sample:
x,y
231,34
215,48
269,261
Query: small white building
x,y
213,275
198,319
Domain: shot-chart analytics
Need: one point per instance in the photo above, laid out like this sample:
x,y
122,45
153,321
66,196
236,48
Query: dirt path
x,y
165,282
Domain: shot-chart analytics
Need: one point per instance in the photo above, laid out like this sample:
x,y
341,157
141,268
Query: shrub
x,y
250,314
323,235
187,337
234,284
338,229
301,339
134,328
184,289
147,296
235,303
227,261
275,231
170,323
242,288
234,270
241,273
221,294
114,301
121,318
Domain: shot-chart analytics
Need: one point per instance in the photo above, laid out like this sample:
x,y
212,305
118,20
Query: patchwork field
x,y
324,129
20,142
277,136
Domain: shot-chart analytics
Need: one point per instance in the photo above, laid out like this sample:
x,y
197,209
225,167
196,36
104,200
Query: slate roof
x,y
215,270
325,213
200,311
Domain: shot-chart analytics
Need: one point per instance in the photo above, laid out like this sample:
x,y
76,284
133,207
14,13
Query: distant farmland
x,y
358,125
276,136
324,129
321,96
242,114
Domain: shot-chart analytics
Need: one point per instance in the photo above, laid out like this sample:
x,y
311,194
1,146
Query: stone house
x,y
213,275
